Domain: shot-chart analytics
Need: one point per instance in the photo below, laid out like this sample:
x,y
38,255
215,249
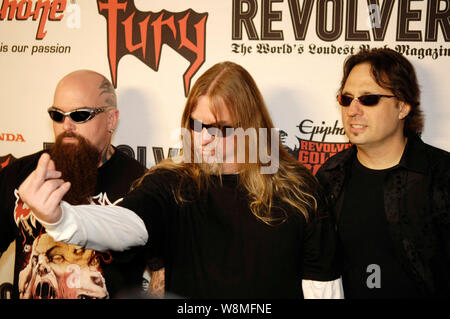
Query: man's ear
x,y
113,117
405,108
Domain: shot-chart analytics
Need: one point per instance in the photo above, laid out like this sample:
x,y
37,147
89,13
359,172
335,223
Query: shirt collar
x,y
340,159
414,156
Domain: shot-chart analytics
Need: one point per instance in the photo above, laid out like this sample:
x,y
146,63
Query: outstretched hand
x,y
44,189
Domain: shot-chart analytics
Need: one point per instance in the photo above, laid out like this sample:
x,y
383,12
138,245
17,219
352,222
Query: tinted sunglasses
x,y
212,129
80,115
367,100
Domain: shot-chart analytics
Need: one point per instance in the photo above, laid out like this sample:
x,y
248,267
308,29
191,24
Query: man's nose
x,y
68,124
354,108
206,137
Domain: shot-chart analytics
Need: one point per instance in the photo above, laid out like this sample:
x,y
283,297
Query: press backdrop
x,y
154,50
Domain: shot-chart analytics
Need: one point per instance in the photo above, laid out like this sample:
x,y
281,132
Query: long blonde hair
x,y
229,84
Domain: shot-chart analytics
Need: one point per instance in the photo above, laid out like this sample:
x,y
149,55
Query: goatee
x,y
78,164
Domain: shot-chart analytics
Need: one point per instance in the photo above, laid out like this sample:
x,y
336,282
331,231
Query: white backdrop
x,y
297,77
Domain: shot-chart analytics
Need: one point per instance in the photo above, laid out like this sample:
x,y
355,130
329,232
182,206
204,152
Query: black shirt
x,y
417,208
214,247
109,272
371,268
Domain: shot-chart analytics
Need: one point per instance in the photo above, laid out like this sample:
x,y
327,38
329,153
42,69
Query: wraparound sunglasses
x,y
367,100
79,115
212,129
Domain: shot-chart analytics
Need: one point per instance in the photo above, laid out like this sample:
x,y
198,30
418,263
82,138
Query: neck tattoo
x,y
107,153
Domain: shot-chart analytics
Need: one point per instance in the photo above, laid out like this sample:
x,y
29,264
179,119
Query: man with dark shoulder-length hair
x,y
390,191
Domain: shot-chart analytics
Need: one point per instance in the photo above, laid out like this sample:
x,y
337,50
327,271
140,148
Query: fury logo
x,y
142,34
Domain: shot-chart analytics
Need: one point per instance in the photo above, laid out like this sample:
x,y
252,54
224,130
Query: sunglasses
x,y
213,129
367,100
80,115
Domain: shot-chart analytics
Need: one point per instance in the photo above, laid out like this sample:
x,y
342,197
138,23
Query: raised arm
x,y
91,226
43,190
98,227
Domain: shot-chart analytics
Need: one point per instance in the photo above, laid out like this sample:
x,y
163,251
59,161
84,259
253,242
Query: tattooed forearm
x,y
156,287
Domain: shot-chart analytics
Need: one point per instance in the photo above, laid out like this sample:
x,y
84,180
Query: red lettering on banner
x,y
142,34
112,7
314,154
10,137
303,144
198,49
157,26
128,23
22,10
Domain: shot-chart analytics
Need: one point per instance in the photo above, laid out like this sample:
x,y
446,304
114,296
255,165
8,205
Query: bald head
x,y
87,87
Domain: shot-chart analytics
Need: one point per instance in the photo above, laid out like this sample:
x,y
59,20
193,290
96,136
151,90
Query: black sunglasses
x,y
80,115
212,129
367,100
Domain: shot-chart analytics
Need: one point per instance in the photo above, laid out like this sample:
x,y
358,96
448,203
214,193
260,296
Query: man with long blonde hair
x,y
226,222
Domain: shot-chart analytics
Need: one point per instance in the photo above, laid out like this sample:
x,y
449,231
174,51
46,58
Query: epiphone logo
x,y
314,151
11,137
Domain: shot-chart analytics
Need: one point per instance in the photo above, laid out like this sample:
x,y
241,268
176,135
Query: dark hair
x,y
391,70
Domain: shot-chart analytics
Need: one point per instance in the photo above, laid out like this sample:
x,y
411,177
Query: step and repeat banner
x,y
153,51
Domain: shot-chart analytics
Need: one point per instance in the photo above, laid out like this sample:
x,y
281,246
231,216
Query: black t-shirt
x,y
371,267
214,247
45,269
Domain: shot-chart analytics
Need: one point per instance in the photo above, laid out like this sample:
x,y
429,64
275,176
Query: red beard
x,y
78,164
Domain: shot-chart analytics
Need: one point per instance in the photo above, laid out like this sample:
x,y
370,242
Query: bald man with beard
x,y
84,115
